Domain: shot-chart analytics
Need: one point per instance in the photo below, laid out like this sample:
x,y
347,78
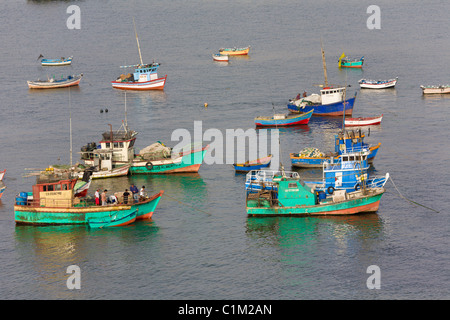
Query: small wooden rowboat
x,y
56,62
284,120
220,57
52,83
234,51
377,84
355,122
118,219
435,89
253,165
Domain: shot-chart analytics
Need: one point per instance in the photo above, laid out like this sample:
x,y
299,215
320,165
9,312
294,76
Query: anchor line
x,y
414,202
184,203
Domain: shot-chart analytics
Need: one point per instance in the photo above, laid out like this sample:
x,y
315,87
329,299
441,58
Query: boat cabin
x,y
350,169
350,141
54,190
120,144
146,72
332,94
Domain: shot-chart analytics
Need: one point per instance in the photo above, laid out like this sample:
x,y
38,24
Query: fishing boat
x,y
349,141
377,84
145,76
103,166
2,174
331,101
52,201
349,173
346,62
253,164
234,51
56,62
153,159
292,197
284,119
440,89
220,57
363,121
70,81
119,219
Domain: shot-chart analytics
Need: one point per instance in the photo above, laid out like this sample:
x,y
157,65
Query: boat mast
x,y
70,128
137,40
324,64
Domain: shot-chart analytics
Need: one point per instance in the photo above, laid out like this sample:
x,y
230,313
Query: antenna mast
x,y
137,40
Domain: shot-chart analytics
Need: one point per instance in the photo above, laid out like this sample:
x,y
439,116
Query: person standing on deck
x,y
97,197
134,190
104,197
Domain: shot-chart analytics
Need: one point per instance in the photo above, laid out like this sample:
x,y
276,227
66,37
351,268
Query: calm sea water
x,y
200,243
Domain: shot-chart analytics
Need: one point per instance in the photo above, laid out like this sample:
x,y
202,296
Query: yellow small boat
x,y
234,51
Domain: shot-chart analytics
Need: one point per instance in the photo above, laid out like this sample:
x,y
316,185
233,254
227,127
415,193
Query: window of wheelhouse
x,y
131,143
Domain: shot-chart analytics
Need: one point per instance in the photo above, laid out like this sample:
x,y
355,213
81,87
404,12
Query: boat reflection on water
x,y
297,232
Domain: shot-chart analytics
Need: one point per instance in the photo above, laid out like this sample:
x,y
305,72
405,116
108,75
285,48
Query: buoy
x,y
106,110
101,110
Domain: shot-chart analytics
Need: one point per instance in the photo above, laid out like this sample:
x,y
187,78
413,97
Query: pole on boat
x,y
137,40
70,128
324,64
126,122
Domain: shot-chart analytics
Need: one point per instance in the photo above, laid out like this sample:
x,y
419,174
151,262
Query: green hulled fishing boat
x,y
289,196
53,202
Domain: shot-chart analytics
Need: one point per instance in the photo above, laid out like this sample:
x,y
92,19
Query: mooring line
x,y
409,199
184,203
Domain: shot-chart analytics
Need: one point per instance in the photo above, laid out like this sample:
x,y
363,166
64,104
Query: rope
x,y
183,203
409,199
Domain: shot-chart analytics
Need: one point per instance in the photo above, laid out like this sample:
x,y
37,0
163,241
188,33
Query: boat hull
x,y
36,215
116,172
358,122
53,85
2,190
190,162
220,57
332,109
234,52
289,121
157,84
145,211
253,165
377,85
121,219
348,207
437,90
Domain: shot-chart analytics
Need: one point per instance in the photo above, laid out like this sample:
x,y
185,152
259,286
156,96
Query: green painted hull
x,y
24,214
353,206
188,163
352,64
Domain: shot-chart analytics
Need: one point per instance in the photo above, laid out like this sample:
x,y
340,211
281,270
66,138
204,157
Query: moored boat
x,y
145,76
362,121
350,141
56,62
332,100
52,201
346,62
2,174
118,219
291,197
153,159
234,51
72,80
440,89
220,57
284,119
349,173
377,84
253,164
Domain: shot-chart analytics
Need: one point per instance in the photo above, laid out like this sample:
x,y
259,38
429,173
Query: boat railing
x,y
257,176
